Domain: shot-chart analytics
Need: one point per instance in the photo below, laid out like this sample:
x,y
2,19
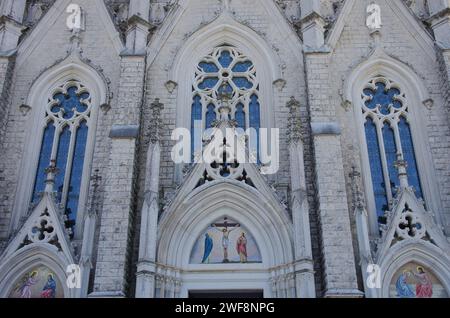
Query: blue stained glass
x,y
376,168
208,67
255,120
242,82
255,117
383,97
69,102
76,174
240,116
61,160
409,156
210,116
242,66
391,155
208,83
225,59
196,115
44,161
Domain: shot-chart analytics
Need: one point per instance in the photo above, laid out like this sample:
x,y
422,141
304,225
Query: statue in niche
x,y
373,21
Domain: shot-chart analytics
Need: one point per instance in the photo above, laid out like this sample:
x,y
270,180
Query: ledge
x,y
107,294
8,54
343,293
124,132
331,128
324,49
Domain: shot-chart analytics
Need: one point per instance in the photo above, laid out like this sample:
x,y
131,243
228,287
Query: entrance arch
x,y
181,227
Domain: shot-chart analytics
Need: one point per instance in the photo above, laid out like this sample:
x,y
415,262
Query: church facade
x,y
326,125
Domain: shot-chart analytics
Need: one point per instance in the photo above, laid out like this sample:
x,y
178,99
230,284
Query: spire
x,y
51,172
401,166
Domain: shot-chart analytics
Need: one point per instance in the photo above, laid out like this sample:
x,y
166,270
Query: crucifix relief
x,y
226,228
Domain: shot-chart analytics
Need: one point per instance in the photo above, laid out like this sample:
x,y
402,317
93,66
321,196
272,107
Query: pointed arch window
x,y
65,132
388,134
225,70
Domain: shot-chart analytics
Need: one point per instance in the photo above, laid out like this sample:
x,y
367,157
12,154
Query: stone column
x,y
139,25
89,227
114,250
304,267
338,261
118,206
11,17
440,24
362,229
146,268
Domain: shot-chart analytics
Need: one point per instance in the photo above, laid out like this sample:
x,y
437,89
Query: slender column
x,y
338,258
90,224
362,229
146,269
304,268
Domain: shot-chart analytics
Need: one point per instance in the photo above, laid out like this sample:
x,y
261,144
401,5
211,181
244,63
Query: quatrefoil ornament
x,y
70,103
410,226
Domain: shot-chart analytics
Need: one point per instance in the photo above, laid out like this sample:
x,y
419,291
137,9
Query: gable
x,y
190,16
49,40
399,26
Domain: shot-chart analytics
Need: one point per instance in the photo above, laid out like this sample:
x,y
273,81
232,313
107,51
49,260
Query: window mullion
x,y
398,142
387,182
58,131
73,130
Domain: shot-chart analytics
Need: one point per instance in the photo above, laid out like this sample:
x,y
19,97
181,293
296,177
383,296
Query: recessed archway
x,y
269,229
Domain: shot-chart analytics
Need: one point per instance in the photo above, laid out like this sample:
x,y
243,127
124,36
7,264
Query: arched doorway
x,y
250,245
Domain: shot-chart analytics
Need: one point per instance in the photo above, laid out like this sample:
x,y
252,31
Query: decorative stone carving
x,y
76,20
428,103
279,84
294,124
410,225
155,123
357,195
157,13
24,109
373,21
171,86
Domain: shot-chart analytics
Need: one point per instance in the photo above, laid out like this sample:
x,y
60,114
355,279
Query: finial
x,y
401,166
51,172
358,199
294,124
96,179
155,123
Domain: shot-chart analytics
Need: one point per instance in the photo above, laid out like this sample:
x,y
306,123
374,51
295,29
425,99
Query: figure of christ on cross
x,y
226,228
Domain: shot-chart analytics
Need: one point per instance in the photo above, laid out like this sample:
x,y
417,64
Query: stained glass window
x,y
225,70
388,134
64,141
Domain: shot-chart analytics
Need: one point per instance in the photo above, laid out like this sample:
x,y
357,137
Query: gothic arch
x,y
187,219
380,64
224,30
29,257
182,225
71,68
420,252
